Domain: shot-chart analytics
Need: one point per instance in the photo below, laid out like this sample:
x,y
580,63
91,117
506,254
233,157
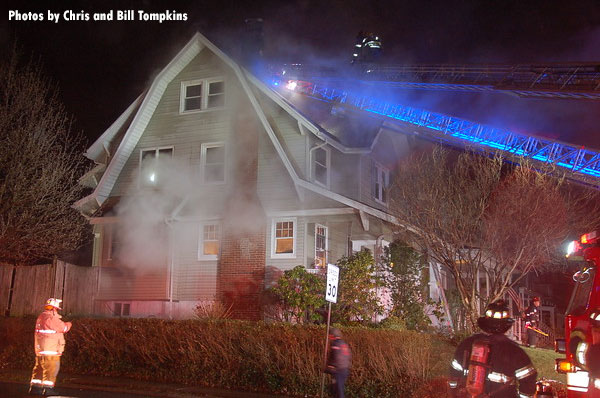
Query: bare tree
x,y
487,222
40,162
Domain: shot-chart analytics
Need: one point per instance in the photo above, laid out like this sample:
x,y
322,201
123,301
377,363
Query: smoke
x,y
146,211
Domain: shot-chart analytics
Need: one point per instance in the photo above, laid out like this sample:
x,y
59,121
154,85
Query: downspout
x,y
169,222
171,265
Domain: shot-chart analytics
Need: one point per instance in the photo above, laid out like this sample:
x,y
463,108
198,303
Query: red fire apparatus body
x,y
581,345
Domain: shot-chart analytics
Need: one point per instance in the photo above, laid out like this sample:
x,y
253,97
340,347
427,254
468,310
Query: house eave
x,y
95,151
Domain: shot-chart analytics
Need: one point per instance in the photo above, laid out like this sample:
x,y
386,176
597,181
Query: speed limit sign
x,y
331,291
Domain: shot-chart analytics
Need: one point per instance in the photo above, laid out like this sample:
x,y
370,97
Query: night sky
x,y
101,67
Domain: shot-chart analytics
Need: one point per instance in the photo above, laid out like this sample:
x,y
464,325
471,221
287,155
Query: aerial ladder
x,y
555,80
572,81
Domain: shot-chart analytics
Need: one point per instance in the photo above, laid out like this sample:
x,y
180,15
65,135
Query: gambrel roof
x,y
129,127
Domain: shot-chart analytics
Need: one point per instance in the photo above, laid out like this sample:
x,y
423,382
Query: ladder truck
x,y
581,344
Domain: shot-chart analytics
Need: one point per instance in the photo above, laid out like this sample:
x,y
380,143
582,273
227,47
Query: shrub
x,y
359,279
300,294
252,356
212,310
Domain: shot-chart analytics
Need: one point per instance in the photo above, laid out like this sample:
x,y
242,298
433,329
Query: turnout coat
x,y
49,333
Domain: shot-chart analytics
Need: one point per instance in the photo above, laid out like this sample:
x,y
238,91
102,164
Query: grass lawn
x,y
543,360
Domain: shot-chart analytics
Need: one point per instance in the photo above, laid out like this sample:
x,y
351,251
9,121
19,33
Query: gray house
x,y
212,183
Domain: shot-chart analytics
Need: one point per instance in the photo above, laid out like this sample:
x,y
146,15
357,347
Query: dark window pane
x,y
148,155
216,88
117,309
126,309
192,103
321,174
163,153
215,155
321,156
193,91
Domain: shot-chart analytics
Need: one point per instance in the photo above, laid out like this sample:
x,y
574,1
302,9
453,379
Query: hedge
x,y
252,356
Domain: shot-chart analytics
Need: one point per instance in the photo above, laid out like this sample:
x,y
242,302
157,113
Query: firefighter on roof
x,y
532,321
489,364
49,346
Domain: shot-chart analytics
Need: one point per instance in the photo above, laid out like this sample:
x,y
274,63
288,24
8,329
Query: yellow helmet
x,y
54,302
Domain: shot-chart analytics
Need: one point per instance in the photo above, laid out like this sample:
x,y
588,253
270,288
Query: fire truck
x,y
581,345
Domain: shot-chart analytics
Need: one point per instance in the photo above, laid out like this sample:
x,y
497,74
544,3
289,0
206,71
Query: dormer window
x,y
199,95
150,164
320,162
381,182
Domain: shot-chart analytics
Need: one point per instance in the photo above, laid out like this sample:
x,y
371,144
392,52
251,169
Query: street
x,y
18,390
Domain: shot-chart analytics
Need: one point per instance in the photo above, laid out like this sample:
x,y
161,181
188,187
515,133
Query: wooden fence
x,y
25,289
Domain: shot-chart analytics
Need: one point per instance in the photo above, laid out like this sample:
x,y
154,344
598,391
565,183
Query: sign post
x,y
331,293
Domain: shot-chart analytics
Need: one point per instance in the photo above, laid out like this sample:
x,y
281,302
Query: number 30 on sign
x,y
333,273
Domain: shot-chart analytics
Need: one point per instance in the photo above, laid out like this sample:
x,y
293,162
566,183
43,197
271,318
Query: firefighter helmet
x,y
534,299
54,302
335,332
496,319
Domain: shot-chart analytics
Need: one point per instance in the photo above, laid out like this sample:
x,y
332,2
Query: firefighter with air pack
x,y
489,364
49,346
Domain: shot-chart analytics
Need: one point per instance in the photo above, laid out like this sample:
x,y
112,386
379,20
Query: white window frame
x,y
384,172
201,255
317,226
121,309
208,82
294,220
313,162
205,83
140,171
203,149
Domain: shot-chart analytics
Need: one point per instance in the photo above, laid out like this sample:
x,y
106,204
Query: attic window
x,y
198,95
192,97
216,94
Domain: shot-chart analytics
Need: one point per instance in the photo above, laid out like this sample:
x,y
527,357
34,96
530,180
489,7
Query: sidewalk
x,y
144,388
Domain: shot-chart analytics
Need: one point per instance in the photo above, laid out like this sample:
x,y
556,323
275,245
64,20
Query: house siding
x,y
275,186
287,131
185,132
195,279
388,150
257,183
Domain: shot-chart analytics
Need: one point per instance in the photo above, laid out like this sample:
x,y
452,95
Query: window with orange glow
x,y
284,239
209,241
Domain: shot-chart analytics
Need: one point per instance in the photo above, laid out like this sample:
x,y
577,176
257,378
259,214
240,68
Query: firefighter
x,y
532,320
49,346
339,359
489,364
